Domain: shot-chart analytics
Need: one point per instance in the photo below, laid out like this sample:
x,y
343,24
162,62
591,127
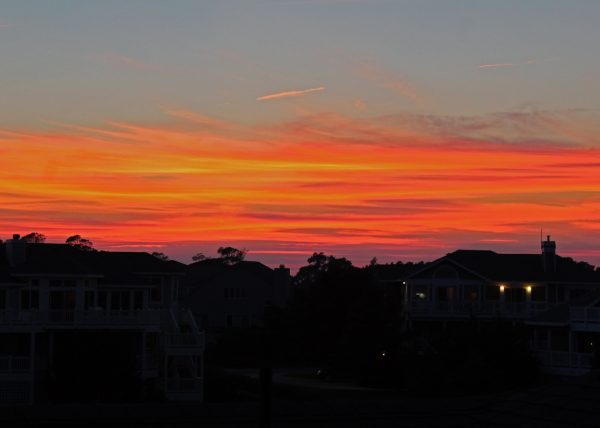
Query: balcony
x,y
184,389
84,318
14,365
185,340
423,308
565,359
585,318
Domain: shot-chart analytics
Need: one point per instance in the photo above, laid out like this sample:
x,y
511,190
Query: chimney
x,y
549,255
282,281
15,250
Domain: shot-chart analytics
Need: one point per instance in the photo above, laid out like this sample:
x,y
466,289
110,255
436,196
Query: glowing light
x,y
528,288
502,289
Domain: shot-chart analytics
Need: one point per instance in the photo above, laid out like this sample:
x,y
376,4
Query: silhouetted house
x,y
225,296
552,293
66,313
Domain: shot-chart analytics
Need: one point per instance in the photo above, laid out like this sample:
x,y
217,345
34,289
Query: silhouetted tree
x,y
80,243
318,264
334,306
34,238
160,256
199,257
230,255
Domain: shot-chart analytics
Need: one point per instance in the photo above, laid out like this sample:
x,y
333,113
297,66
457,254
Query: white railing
x,y
14,393
520,309
89,317
185,340
585,315
564,359
11,364
184,384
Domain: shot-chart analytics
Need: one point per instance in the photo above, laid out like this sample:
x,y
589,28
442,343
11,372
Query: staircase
x,y
16,380
183,353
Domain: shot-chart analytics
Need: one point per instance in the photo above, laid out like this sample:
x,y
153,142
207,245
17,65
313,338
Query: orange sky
x,y
404,187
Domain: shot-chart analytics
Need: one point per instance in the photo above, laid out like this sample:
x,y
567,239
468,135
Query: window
x,y
229,320
30,299
576,292
492,292
153,280
62,300
515,294
55,283
155,295
471,292
69,283
420,292
88,300
226,293
538,294
119,300
103,299
34,282
138,300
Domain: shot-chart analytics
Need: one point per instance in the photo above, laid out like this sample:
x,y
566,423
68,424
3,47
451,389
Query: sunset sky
x,y
394,129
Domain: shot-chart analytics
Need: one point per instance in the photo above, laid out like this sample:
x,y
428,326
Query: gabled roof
x,y
517,267
206,270
63,259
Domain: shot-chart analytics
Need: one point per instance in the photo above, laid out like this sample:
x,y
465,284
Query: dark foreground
x,y
558,403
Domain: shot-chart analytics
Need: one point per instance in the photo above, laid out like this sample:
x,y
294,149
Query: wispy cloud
x,y
288,94
499,65
508,64
360,105
387,79
194,117
123,61
324,182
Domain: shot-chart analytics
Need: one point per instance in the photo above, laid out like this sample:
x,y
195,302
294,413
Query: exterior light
x,y
383,354
502,289
528,288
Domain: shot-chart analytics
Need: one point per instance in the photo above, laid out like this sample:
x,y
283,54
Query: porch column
x,y
51,347
31,366
143,359
570,342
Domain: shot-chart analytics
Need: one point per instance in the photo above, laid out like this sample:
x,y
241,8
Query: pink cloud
x,y
288,94
195,117
123,60
360,105
499,65
386,79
